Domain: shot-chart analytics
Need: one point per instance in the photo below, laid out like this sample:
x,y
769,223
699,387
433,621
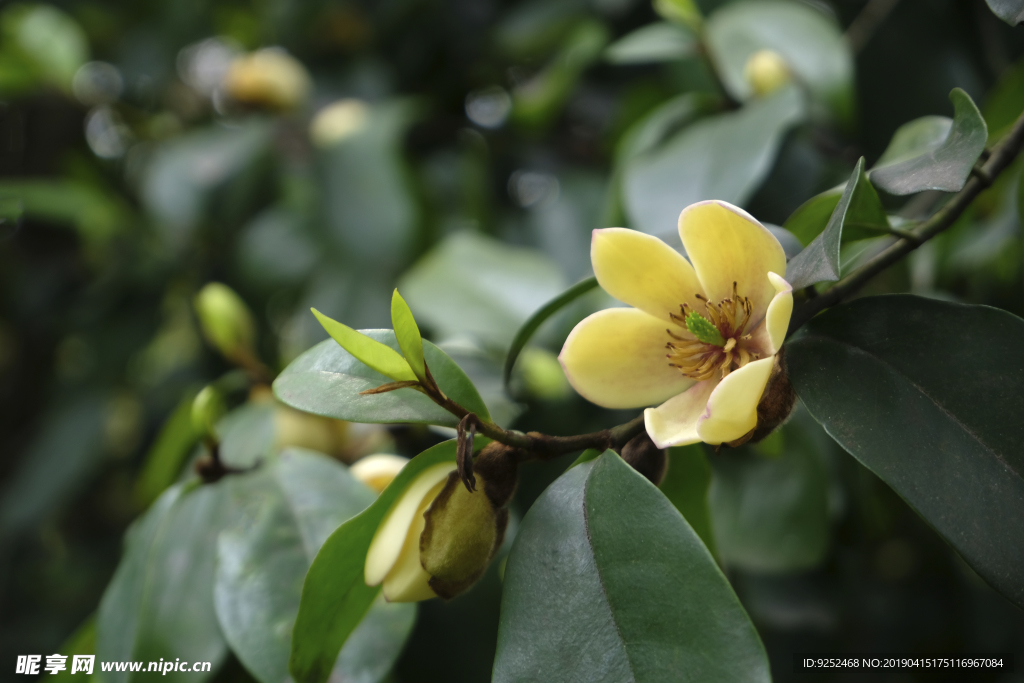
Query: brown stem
x,y
1002,156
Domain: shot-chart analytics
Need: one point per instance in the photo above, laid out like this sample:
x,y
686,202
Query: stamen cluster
x,y
701,357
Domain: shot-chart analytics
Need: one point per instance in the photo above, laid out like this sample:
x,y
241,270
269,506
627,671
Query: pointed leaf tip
x,y
370,352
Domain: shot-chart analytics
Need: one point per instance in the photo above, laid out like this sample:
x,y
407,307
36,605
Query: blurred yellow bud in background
x,y
269,78
338,121
378,470
766,71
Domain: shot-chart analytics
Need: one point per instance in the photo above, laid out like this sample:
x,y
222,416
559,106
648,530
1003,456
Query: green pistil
x,y
703,329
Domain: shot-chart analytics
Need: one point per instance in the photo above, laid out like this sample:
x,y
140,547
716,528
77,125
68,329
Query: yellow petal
x,y
388,542
616,358
378,470
408,581
732,407
674,422
768,337
727,245
643,271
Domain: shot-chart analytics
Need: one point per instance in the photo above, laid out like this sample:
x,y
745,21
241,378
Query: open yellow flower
x,y
701,340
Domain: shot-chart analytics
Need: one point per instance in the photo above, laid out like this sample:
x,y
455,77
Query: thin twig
x,y
1002,156
862,29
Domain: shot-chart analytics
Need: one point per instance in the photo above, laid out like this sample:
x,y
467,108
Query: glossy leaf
x,y
407,332
857,206
160,602
658,42
945,167
368,351
686,485
770,512
537,319
810,42
607,582
476,286
725,157
335,596
288,511
865,216
928,396
327,380
1010,11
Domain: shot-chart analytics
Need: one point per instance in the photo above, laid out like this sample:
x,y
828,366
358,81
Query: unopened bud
x,y
543,375
378,470
338,121
766,71
226,321
269,78
646,458
438,537
207,409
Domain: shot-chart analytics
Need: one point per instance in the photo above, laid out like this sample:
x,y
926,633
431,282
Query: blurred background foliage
x,y
322,152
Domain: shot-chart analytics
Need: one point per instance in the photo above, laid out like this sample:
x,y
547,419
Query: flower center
x,y
718,343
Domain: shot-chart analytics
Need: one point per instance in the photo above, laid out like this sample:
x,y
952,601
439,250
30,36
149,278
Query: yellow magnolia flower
x,y
702,338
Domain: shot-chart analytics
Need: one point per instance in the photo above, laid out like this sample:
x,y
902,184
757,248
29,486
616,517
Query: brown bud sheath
x,y
498,465
646,458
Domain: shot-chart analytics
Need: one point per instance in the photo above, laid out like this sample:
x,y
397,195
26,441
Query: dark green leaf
x,y
725,157
1005,101
1010,11
686,486
160,602
407,332
326,380
808,40
945,167
928,395
770,514
659,42
168,453
585,456
288,510
607,582
537,319
865,216
335,596
476,286
858,207
97,214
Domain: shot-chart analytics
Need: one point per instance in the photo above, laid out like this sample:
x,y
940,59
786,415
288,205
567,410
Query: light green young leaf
x,y
606,581
945,167
408,334
370,352
928,395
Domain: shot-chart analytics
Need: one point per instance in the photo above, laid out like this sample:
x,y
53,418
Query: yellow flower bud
x,y
766,71
268,78
226,321
338,121
378,470
436,540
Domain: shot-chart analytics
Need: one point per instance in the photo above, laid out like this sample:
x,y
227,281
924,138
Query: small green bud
x,y
226,321
543,375
207,409
703,329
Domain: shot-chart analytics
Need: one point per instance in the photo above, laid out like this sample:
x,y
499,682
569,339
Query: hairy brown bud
x,y
646,458
498,465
